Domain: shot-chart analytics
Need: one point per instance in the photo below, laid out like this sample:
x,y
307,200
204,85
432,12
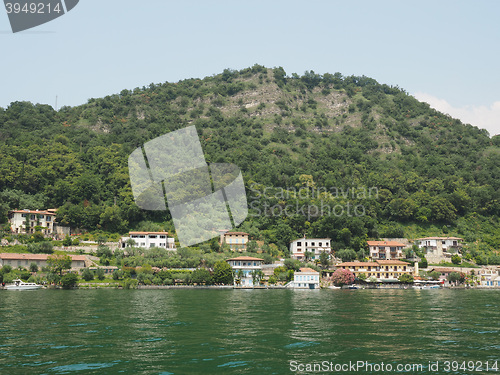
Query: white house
x,y
243,267
489,276
25,221
314,247
386,249
437,249
305,278
148,240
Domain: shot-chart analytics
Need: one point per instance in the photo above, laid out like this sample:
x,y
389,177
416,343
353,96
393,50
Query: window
x,y
48,218
162,236
152,236
32,217
320,244
443,242
312,243
299,243
23,215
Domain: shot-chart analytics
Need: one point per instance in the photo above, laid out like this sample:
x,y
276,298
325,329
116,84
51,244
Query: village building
x,y
28,221
310,248
237,241
148,240
305,278
244,268
437,249
382,270
25,260
385,250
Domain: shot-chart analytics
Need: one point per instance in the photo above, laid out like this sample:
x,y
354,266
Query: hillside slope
x,y
346,141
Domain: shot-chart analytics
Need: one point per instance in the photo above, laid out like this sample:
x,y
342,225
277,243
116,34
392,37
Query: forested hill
x,y
324,133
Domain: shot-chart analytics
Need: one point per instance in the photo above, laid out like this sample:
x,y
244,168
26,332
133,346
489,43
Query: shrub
x,y
100,274
342,277
69,280
87,274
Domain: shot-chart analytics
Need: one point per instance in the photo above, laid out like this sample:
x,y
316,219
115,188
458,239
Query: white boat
x,y
334,287
21,285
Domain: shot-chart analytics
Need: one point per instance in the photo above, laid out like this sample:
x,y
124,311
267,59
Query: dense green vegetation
x,y
327,155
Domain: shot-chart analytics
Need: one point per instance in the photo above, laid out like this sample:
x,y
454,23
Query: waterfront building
x,y
382,269
25,260
244,268
305,278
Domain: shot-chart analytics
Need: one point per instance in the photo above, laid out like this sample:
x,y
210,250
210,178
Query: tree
x,y
347,255
406,278
323,259
100,274
434,275
58,263
69,280
455,259
117,274
252,246
239,275
201,276
342,277
456,277
292,264
223,273
33,267
87,274
257,275
67,241
362,276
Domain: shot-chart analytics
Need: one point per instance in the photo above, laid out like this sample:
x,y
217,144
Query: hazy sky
x,y
443,52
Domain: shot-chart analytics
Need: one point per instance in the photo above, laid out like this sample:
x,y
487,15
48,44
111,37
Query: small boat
x,y
334,287
18,284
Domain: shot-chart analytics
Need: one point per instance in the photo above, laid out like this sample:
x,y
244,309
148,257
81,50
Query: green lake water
x,y
247,331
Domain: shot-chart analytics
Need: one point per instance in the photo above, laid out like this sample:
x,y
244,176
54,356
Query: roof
x,y
385,243
391,261
443,270
311,239
358,264
440,238
39,212
130,233
16,256
307,270
245,258
243,233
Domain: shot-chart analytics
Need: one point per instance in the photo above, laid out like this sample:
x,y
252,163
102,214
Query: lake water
x,y
247,331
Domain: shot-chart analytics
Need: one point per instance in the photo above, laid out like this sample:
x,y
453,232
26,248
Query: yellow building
x,y
235,240
380,269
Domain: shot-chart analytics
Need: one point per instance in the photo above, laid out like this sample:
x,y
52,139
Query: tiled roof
x,y
243,233
16,256
311,239
444,270
130,233
307,269
358,264
392,262
440,238
245,258
385,243
33,212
